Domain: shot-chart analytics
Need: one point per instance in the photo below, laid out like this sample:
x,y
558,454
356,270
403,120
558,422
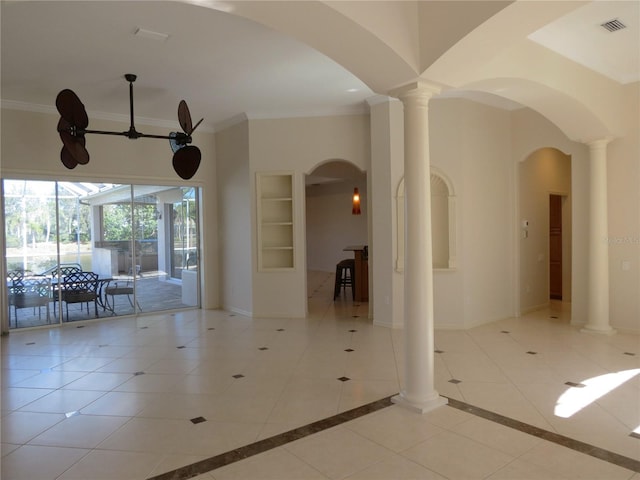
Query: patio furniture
x,y
80,287
59,273
119,288
29,292
63,269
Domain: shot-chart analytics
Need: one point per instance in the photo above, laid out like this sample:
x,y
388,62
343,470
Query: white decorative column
x,y
598,308
418,392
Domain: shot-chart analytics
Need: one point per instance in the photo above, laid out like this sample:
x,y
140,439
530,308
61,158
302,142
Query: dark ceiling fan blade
x,y
81,154
75,147
65,102
67,159
63,125
184,117
69,141
71,108
186,161
196,125
80,117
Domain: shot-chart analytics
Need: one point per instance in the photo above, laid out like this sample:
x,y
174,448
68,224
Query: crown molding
x,y
112,117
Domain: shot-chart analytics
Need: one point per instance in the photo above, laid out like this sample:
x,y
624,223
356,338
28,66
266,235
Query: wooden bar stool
x,y
345,277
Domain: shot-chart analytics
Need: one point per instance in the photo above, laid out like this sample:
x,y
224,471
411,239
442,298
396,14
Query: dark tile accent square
x,y
630,353
574,384
181,346
349,350
197,420
239,375
439,351
635,435
532,353
344,379
455,381
263,348
138,373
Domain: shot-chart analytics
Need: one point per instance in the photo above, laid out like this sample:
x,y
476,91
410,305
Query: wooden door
x,y
555,247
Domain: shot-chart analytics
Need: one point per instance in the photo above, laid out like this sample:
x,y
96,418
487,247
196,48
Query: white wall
x,y
387,167
234,217
330,224
624,222
470,144
299,145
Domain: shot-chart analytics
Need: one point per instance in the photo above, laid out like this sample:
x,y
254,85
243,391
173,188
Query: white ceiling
x,y
580,37
224,65
221,64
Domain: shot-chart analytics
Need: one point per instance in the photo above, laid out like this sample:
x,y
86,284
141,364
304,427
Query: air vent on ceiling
x,y
613,25
150,34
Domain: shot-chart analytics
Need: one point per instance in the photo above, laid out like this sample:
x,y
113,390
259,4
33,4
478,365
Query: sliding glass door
x,y
77,251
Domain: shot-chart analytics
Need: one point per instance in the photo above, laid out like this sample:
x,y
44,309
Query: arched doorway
x,y
330,224
545,233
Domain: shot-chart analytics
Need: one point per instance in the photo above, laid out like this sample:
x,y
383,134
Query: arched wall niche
x,y
443,222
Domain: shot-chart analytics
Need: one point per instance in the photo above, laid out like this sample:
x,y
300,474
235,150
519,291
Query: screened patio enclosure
x,y
77,251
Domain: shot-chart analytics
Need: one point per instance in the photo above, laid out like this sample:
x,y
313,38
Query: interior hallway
x,y
133,398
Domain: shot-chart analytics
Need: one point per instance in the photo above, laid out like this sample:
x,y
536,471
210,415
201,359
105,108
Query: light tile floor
x,y
124,398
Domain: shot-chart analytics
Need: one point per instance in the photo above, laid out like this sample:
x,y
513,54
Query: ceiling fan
x,y
74,121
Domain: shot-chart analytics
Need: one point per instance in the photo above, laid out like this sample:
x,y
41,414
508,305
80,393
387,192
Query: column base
x,y
601,330
419,407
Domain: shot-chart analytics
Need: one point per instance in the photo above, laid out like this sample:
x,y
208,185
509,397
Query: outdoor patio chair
x,y
30,292
80,287
119,288
59,273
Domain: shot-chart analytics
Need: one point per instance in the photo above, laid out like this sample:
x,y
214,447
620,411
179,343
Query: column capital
x,y
417,88
599,143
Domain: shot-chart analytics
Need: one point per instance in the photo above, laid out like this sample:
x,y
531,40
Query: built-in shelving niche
x,y
274,192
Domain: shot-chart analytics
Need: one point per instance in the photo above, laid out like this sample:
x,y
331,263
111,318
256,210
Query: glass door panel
x,y
184,244
184,223
74,280
31,236
117,241
157,286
